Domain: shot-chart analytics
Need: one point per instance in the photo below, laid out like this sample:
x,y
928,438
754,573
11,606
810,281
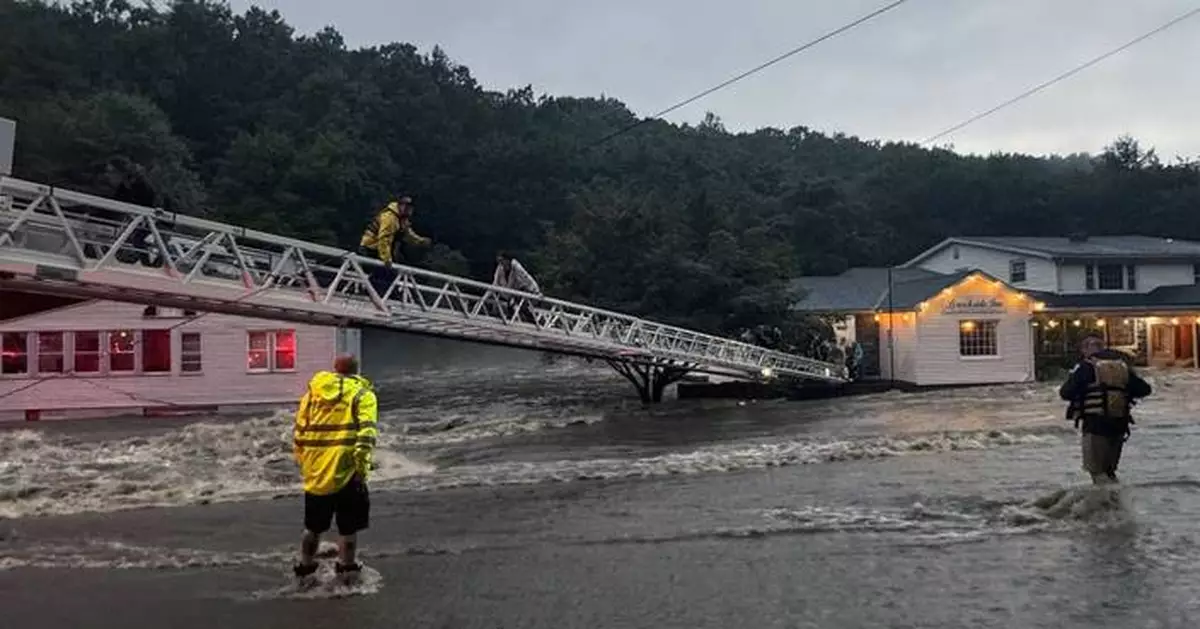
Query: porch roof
x,y
1161,299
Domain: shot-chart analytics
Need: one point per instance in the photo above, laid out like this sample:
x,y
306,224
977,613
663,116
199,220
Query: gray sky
x,y
905,75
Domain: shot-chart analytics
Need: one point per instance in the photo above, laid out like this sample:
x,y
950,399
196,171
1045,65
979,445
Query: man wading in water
x,y
334,442
1101,390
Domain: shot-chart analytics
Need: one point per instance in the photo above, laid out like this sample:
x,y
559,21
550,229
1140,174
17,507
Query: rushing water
x,y
515,493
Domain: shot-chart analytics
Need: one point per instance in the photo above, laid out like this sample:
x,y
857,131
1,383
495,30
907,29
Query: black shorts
x,y
351,504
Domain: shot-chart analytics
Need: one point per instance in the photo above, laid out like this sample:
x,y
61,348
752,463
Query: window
x,y
1016,271
1196,273
285,350
1110,277
87,352
977,338
51,358
189,352
14,353
258,353
156,351
121,355
1121,332
271,350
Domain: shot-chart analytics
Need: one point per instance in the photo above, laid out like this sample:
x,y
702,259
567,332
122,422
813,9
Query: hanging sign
x,y
974,304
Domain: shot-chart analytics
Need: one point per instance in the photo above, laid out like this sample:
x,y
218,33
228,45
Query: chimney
x,y
8,139
1077,237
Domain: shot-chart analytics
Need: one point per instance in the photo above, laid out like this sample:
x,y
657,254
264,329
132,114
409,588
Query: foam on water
x,y
721,458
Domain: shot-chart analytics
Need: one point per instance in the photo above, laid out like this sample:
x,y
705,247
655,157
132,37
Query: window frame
x,y
272,349
135,370
979,327
1126,272
63,368
1013,266
184,354
98,352
4,336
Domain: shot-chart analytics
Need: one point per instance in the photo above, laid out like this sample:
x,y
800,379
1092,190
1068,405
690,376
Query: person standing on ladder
x,y
334,442
379,238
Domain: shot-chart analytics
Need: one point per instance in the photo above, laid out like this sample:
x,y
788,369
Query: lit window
x,y
1016,271
14,353
156,351
189,352
121,357
50,352
271,350
87,352
285,350
977,338
258,354
1121,332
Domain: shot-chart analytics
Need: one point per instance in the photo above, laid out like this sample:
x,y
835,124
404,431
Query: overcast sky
x,y
905,75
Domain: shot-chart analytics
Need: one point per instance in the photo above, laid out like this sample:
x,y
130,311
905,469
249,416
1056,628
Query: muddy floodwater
x,y
517,494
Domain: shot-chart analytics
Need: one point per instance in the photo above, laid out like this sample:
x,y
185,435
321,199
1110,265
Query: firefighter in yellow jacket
x,y
334,440
380,234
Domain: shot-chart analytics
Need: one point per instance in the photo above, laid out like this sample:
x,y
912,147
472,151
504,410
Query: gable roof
x,y
1061,248
909,295
855,290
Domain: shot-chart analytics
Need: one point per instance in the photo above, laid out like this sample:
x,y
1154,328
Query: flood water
x,y
513,493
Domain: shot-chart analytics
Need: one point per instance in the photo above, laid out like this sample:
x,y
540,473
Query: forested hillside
x,y
238,117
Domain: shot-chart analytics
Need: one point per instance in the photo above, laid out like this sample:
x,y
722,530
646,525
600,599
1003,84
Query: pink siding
x,y
223,380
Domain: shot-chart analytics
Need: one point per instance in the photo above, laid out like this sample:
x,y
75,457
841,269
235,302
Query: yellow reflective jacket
x,y
380,234
335,431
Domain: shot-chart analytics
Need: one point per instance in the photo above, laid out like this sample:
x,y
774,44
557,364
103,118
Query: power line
x,y
1063,76
754,70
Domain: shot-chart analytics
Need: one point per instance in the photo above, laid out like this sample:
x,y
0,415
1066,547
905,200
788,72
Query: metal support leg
x,y
651,380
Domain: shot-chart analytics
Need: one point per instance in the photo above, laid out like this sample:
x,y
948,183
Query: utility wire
x,y
1063,76
754,70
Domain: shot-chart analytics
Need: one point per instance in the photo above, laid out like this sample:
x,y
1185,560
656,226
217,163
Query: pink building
x,y
66,358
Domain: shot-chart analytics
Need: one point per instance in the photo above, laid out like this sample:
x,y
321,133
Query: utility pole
x,y
891,334
8,139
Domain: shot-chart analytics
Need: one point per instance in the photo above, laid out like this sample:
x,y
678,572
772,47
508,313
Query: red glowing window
x,y
51,358
121,345
87,352
285,350
156,351
271,350
14,353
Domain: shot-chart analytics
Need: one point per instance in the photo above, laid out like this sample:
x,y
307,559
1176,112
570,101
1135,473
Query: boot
x,y
348,574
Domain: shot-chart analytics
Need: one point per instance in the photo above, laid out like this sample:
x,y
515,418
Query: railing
x,y
147,253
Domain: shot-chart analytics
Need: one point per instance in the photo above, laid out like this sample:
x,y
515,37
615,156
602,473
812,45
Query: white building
x,y
989,309
64,358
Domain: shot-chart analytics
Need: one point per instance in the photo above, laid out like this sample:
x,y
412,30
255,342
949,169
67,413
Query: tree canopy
x,y
237,117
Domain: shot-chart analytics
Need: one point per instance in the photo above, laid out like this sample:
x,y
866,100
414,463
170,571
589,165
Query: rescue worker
x,y
512,275
380,238
1101,389
334,440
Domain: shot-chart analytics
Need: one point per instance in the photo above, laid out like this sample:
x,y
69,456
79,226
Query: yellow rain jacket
x,y
380,235
335,431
